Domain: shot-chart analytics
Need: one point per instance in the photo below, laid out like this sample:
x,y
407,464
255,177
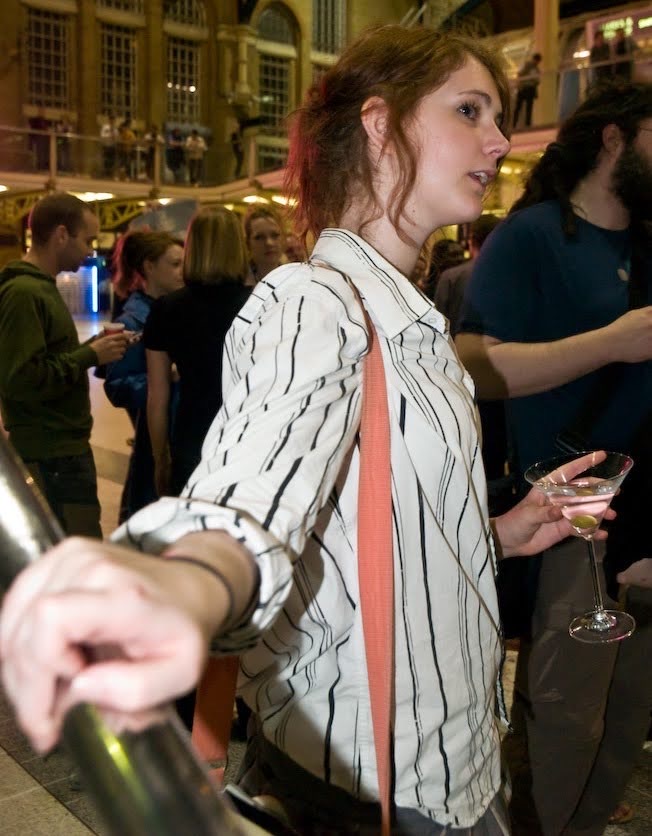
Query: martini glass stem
x,y
593,562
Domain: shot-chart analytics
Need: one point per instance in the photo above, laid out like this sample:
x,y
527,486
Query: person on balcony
x,y
623,49
126,151
528,84
64,128
195,150
600,59
109,138
39,142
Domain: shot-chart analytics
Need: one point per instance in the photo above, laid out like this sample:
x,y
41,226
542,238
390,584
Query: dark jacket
x,y
43,368
125,381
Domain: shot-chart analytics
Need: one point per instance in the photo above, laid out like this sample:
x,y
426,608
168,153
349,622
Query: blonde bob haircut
x,y
215,250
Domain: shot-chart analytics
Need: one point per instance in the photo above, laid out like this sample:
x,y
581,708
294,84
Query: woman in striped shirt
x,y
403,136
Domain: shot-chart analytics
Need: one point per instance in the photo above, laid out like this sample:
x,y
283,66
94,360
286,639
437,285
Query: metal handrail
x,y
139,769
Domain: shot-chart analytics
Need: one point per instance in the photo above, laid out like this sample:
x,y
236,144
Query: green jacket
x,y
43,368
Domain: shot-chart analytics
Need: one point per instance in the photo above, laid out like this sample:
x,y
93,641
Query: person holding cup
x,y
43,382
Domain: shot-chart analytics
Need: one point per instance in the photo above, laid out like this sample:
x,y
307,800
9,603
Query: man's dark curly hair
x,y
575,153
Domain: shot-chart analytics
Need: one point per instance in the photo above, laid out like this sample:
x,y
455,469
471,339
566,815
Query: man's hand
x,y
630,336
111,347
638,574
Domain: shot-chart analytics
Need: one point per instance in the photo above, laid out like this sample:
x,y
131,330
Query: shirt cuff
x,y
158,526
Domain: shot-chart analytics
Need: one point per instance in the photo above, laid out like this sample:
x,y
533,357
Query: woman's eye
x,y
469,110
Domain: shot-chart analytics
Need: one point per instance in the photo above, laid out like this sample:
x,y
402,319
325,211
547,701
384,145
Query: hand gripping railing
x,y
139,769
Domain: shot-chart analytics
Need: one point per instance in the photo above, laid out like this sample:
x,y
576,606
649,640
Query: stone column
x,y
546,41
156,102
88,106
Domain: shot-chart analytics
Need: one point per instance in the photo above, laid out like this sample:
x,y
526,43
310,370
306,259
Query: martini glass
x,y
583,485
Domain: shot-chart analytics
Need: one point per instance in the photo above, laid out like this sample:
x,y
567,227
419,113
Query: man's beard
x,y
632,183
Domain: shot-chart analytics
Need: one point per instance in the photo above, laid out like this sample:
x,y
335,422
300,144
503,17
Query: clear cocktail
x,y
583,486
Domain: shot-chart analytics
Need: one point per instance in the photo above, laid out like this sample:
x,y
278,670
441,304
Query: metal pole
x,y
139,769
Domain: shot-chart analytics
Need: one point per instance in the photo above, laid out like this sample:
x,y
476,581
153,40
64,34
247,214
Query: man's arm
x,y
516,369
29,371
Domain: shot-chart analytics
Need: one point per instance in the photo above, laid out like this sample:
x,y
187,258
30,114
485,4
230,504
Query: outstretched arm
x,y
515,369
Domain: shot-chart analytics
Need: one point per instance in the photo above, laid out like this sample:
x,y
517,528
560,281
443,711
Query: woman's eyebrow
x,y
483,94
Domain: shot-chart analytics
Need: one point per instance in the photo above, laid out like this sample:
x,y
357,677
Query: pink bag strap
x,y
376,562
211,724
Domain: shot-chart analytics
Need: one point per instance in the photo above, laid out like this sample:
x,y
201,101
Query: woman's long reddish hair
x,y
328,161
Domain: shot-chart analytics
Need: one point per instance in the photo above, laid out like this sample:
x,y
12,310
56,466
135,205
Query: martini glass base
x,y
602,627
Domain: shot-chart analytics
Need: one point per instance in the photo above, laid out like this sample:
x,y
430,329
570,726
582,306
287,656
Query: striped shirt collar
x,y
396,302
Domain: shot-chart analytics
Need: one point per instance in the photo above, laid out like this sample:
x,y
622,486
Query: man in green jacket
x,y
43,368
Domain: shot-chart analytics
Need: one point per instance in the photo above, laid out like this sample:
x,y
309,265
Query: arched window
x,y
275,24
277,56
188,12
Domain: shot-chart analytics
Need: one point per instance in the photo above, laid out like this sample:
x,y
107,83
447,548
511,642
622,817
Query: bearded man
x,y
558,321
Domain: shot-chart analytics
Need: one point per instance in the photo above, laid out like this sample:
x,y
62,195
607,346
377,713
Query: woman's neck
x,y
384,238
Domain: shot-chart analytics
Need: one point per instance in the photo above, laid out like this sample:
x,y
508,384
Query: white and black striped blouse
x,y
280,472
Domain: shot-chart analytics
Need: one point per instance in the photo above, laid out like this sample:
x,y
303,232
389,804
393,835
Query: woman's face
x,y
455,130
165,275
265,244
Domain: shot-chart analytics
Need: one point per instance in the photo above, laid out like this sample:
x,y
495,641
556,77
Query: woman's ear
x,y
148,266
374,117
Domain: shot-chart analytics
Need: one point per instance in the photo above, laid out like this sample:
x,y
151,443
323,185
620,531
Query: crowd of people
x,y
126,155
126,152
247,537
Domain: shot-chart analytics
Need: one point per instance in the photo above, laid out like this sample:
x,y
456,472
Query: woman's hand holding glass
x,y
534,524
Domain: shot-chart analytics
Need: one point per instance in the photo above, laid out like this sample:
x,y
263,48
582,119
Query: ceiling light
x,y
90,197
283,200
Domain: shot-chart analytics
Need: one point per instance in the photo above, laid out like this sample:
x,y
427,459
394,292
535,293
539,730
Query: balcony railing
x,y
57,155
559,92
154,164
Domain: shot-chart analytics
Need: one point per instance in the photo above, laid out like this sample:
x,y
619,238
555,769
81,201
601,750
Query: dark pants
x,y
109,160
580,712
69,484
527,97
139,489
315,808
194,170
